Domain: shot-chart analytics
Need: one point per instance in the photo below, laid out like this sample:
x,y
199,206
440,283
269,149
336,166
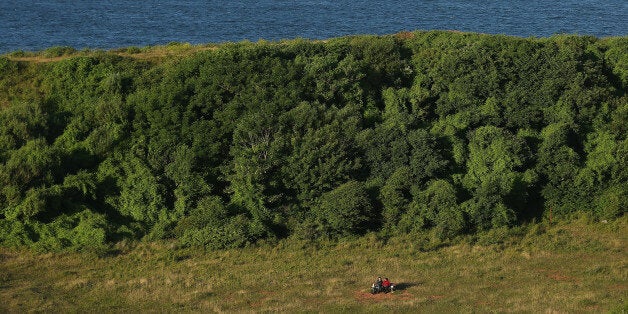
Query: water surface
x,y
36,25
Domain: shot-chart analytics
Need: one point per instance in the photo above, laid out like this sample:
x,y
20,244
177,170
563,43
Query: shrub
x,y
209,213
613,202
15,234
232,234
345,210
58,51
6,65
436,207
487,212
82,231
395,196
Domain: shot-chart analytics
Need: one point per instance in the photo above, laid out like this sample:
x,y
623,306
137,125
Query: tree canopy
x,y
442,131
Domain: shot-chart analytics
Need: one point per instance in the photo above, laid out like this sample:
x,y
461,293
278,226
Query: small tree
x,y
395,196
436,207
345,210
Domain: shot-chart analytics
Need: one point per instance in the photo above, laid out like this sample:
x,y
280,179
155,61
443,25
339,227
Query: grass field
x,y
153,53
574,267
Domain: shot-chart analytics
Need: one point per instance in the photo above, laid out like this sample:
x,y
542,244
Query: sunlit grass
x,y
150,53
156,53
576,267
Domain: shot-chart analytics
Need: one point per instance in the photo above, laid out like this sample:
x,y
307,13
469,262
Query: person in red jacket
x,y
386,284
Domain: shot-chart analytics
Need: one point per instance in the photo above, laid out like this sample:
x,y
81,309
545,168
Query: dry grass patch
x,y
152,54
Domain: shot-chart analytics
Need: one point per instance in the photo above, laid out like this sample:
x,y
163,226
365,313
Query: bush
x,y
82,231
395,196
233,234
212,226
613,202
16,234
436,207
58,51
6,65
345,210
495,236
487,213
90,231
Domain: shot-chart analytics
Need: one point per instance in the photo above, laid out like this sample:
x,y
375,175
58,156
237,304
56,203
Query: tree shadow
x,y
405,285
111,253
205,295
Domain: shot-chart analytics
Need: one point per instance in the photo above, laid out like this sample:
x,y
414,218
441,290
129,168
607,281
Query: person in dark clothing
x,y
377,286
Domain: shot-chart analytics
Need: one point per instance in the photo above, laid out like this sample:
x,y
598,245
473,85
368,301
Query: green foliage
x,y
497,187
440,207
435,207
84,230
58,51
212,226
256,157
345,210
24,177
395,196
22,122
616,56
210,212
324,155
232,234
612,202
142,197
433,133
16,233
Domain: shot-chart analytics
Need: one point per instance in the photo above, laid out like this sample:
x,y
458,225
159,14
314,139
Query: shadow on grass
x,y
205,295
405,285
111,253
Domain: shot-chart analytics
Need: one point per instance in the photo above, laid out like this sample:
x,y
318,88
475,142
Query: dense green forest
x,y
440,132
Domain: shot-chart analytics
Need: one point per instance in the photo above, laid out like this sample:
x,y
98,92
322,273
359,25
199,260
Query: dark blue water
x,y
36,25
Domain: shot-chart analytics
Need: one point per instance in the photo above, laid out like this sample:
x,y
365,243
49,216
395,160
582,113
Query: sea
x,y
33,25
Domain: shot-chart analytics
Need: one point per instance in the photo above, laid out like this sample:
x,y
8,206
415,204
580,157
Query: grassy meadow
x,y
575,267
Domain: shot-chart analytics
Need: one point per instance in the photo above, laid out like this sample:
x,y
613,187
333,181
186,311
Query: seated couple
x,y
382,286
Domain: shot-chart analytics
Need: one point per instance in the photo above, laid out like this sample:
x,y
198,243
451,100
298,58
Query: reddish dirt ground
x,y
558,276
